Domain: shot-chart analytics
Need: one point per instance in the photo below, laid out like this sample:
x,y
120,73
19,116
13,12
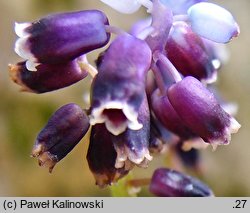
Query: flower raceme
x,y
150,88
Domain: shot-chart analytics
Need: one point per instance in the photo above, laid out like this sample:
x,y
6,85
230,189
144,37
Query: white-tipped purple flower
x,y
102,157
213,22
61,37
64,130
201,112
118,89
49,77
186,50
132,145
171,183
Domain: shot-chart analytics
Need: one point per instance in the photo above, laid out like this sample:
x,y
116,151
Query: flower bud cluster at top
x,y
151,88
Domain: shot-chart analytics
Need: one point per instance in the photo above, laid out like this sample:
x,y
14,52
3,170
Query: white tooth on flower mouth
x,y
22,47
31,65
125,154
234,125
211,79
131,122
231,129
20,29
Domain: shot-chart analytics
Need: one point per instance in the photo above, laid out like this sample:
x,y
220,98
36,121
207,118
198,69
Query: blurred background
x,y
22,115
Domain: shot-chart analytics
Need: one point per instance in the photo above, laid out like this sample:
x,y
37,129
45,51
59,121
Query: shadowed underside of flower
x,y
102,157
117,90
64,130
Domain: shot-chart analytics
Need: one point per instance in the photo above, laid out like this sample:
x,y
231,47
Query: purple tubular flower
x,y
187,52
200,111
180,6
102,157
170,183
61,37
118,89
64,130
48,77
168,117
132,145
206,22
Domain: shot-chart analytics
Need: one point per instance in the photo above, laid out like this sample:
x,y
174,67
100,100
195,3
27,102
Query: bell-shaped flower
x,y
102,157
118,88
201,112
186,50
64,130
61,37
213,22
49,77
132,145
171,183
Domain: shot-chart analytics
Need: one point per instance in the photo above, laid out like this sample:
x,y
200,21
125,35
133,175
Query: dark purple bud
x,y
102,157
61,37
132,145
48,77
168,116
64,130
170,183
118,89
187,52
200,111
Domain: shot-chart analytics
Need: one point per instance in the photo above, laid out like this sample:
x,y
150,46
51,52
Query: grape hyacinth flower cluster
x,y
151,88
